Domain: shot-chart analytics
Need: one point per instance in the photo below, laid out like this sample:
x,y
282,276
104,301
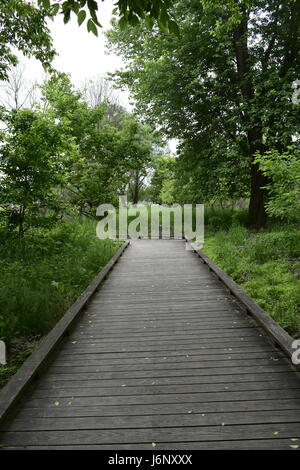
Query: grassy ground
x,y
265,264
41,275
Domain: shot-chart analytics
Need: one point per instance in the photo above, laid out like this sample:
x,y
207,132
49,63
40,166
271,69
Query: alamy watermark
x,y
296,353
152,221
2,353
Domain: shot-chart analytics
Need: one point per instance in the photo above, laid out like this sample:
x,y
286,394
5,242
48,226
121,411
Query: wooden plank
x,y
132,436
164,365
283,377
58,374
148,421
241,349
124,389
20,382
93,359
67,411
250,444
182,398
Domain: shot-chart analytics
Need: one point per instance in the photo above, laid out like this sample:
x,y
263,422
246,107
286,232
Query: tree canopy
x,y
129,12
24,27
223,87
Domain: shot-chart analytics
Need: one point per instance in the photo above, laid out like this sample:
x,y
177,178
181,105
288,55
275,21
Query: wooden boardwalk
x,y
163,358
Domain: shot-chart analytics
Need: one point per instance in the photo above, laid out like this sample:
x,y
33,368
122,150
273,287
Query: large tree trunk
x,y
257,212
136,187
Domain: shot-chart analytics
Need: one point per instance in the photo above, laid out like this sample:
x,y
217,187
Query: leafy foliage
x,y
223,88
130,12
32,162
23,26
283,170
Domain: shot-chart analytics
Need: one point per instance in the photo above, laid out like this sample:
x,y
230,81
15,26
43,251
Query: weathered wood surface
x,y
162,355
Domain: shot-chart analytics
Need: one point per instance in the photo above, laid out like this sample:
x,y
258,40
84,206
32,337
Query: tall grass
x,y
43,273
266,264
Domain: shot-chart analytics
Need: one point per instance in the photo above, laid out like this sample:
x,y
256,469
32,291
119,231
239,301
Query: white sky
x,y
81,54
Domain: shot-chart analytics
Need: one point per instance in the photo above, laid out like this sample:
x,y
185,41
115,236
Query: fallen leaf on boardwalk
x,y
123,385
294,439
242,339
154,444
294,447
222,424
69,403
203,414
190,411
276,433
56,403
73,342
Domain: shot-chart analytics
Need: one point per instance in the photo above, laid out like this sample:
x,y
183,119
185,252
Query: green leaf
x,y
46,4
149,22
92,27
173,27
162,26
55,8
133,20
81,17
67,14
123,23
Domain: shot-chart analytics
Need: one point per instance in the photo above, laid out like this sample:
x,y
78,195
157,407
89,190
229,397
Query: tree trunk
x,y
136,189
257,212
21,220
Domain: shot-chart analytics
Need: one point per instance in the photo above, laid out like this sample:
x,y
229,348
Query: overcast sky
x,y
81,54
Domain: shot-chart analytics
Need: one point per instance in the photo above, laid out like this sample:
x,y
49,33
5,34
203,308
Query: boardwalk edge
x,y
277,334
13,391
